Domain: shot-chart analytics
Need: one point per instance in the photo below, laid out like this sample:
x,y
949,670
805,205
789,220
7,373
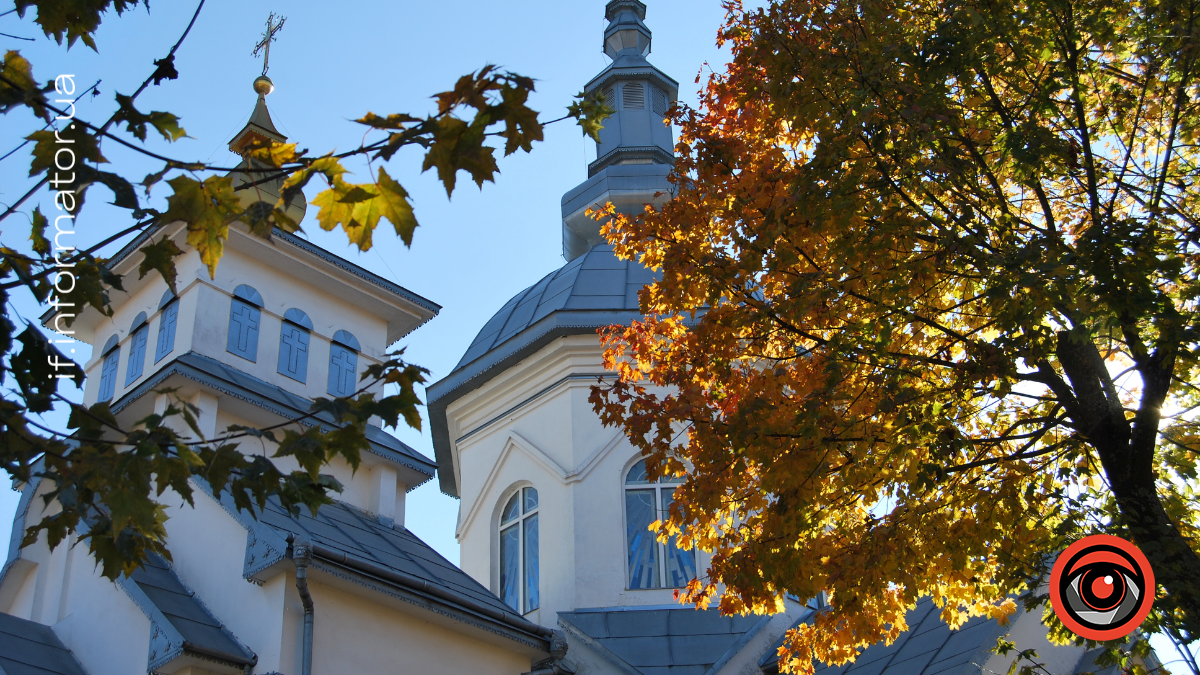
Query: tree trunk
x,y
1126,450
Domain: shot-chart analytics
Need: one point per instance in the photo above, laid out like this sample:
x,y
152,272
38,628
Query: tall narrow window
x,y
108,371
519,551
244,316
293,345
168,316
343,364
650,563
140,331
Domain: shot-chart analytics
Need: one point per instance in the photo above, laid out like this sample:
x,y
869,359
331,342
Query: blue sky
x,y
333,63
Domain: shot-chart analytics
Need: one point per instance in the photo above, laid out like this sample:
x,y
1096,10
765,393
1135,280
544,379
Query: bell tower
x,y
636,149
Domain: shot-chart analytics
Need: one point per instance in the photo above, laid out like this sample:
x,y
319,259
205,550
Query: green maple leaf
x,y
23,90
398,121
208,208
74,136
469,90
456,146
160,256
37,233
357,209
135,121
327,166
521,123
272,153
76,19
392,203
124,195
590,111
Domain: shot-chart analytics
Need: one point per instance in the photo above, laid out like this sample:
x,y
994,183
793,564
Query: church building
x,y
559,573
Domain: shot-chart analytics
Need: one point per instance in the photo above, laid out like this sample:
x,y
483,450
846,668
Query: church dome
x,y
594,290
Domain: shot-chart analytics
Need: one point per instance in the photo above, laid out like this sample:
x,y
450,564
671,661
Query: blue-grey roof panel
x,y
362,536
186,613
210,371
667,641
597,280
29,648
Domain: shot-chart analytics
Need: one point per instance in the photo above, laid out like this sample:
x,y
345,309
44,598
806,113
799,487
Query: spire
x,y
261,129
637,147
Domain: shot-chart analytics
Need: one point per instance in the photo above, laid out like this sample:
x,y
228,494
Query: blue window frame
x,y
519,568
245,314
293,345
108,371
167,318
343,364
140,331
652,564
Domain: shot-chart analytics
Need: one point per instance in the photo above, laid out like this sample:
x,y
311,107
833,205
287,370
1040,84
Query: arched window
x,y
108,371
167,318
343,364
650,563
519,551
293,345
140,331
244,316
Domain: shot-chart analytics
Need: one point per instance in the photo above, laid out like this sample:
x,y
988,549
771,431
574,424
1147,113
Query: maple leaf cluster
x,y
927,312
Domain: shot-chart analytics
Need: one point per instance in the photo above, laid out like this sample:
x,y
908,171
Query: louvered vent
x,y
660,101
633,95
610,99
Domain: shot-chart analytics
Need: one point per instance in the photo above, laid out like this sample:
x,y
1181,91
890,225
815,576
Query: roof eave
x,y
479,372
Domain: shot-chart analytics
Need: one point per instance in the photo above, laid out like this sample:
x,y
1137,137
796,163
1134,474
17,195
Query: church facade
x,y
559,573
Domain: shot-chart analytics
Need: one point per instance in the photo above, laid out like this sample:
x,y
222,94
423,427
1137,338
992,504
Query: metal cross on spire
x,y
264,45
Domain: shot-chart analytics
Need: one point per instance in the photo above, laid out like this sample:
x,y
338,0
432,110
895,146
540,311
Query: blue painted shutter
x,y
108,375
293,352
343,368
137,354
166,331
243,330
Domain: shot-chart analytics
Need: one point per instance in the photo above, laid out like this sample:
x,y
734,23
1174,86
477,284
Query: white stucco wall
x,y
354,635
94,618
557,444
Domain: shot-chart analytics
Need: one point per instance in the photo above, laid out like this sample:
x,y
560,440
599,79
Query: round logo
x,y
1102,587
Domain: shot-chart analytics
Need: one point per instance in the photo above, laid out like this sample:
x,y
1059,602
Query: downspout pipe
x,y
302,552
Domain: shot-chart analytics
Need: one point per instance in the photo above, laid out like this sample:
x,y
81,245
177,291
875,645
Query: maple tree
x,y
927,309
105,476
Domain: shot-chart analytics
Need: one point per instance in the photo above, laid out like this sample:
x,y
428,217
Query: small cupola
x,y
625,28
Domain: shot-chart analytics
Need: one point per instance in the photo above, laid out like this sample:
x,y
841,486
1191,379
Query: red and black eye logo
x,y
1102,587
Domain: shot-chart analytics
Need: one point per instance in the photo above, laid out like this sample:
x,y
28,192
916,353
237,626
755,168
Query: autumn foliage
x,y
927,310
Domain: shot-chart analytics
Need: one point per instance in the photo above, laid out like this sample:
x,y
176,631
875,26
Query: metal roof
x,y
164,598
597,280
929,647
665,641
29,648
225,378
361,536
595,290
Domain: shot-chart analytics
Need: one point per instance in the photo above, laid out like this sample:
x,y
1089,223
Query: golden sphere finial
x,y
263,85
